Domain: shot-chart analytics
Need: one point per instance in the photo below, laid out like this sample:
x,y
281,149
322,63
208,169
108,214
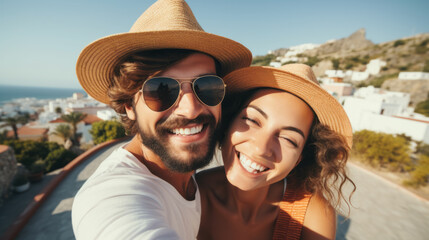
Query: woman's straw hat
x,y
165,24
299,80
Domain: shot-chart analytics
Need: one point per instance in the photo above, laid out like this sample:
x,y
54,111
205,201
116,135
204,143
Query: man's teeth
x,y
250,166
188,131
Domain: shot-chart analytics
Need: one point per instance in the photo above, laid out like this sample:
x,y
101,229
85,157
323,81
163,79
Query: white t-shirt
x,y
124,200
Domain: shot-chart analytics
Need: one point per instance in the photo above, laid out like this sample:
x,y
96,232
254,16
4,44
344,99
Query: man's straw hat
x,y
299,80
165,24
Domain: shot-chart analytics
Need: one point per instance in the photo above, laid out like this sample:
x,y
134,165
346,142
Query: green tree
x,y
263,60
422,149
73,119
28,152
58,110
349,66
335,63
3,136
311,61
420,174
378,81
63,131
423,107
426,66
398,43
382,150
58,159
13,123
106,130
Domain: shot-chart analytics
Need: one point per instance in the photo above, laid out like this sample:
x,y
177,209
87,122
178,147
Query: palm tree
x,y
73,119
58,110
63,131
13,123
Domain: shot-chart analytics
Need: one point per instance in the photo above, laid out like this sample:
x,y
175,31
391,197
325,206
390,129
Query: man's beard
x,y
159,144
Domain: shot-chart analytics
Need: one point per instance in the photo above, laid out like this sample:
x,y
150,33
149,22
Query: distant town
x,y
367,107
46,116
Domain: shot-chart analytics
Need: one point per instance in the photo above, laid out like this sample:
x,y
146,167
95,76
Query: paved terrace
x,y
382,210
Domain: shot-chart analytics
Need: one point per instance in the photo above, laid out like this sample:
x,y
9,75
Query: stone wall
x,y
8,168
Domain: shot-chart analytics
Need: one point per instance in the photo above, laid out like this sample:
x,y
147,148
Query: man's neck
x,y
182,182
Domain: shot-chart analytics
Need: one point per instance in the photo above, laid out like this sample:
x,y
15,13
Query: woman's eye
x,y
250,120
290,141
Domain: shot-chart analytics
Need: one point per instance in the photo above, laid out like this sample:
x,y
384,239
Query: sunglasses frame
x,y
184,80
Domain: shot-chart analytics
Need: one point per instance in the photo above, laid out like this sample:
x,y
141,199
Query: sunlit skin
x,y
186,107
240,203
269,134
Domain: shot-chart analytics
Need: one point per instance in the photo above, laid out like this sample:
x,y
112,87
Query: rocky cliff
x,y
338,48
8,168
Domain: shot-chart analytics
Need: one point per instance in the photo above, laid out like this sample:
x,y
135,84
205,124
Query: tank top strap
x,y
291,213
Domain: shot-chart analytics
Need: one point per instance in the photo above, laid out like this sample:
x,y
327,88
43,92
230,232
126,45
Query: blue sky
x,y
41,40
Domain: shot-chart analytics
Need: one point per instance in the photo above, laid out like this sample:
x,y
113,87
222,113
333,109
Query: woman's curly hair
x,y
322,169
133,71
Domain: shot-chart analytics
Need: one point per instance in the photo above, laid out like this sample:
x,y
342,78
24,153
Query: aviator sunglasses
x,y
161,93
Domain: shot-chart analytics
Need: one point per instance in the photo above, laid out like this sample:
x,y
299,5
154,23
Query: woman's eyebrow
x,y
290,128
259,110
295,130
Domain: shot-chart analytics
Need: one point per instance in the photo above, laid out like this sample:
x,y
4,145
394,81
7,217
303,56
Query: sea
x,y
10,93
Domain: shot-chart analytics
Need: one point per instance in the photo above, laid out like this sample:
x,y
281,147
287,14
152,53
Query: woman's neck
x,y
254,204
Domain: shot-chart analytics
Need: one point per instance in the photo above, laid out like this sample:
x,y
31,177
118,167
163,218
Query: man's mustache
x,y
178,122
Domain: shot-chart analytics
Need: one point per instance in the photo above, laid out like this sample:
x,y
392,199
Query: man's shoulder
x,y
121,172
120,161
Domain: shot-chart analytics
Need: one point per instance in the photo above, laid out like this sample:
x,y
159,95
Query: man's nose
x,y
188,105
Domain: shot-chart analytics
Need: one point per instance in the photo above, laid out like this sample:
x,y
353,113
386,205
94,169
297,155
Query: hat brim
x,y
328,110
96,62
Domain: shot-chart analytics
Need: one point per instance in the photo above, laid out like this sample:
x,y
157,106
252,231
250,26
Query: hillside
x,y
355,51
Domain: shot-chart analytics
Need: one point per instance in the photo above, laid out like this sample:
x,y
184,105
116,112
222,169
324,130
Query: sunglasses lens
x,y
160,93
210,90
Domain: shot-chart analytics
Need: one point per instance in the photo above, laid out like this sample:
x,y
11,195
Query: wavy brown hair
x,y
132,71
322,169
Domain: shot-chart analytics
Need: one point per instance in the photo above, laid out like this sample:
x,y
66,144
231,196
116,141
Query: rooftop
x,y
3,148
27,131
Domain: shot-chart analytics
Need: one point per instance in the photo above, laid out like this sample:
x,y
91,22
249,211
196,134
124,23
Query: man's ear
x,y
130,112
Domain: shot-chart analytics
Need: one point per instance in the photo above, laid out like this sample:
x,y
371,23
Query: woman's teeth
x,y
250,166
187,131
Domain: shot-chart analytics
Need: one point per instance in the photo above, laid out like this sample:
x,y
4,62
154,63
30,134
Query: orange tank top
x,y
292,212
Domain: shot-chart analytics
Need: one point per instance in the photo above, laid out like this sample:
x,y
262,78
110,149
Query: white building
x,y
77,96
58,103
291,54
10,109
107,114
418,130
374,66
384,111
83,128
275,64
380,101
295,50
359,76
338,89
335,73
413,76
46,117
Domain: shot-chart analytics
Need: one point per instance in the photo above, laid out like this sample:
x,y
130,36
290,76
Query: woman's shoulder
x,y
320,219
